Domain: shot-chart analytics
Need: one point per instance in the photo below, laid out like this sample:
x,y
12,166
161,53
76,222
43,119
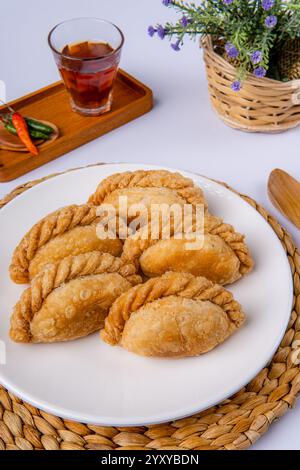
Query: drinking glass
x,y
87,52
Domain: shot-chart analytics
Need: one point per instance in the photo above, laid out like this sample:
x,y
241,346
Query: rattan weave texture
x,y
262,104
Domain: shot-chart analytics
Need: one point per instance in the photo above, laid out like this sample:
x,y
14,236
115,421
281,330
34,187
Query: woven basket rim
x,y
234,424
207,44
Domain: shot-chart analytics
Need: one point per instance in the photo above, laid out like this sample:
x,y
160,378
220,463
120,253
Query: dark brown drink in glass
x,y
88,67
88,86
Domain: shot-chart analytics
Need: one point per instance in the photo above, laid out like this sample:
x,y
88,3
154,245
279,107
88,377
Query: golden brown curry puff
x,y
71,230
223,256
174,315
147,188
71,298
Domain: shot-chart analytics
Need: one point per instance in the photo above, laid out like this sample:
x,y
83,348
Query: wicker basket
x,y
262,105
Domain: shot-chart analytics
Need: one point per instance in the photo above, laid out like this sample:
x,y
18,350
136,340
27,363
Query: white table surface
x,y
182,131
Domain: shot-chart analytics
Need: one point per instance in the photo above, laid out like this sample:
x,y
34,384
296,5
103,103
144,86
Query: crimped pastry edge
x,y
135,246
55,275
50,226
170,283
185,187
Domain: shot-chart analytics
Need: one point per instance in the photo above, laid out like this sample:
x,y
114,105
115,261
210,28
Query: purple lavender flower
x,y
151,31
259,72
175,46
256,57
267,4
184,21
227,2
161,31
231,50
271,21
167,2
236,86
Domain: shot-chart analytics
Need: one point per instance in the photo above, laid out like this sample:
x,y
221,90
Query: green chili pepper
x,y
39,135
10,128
39,126
34,134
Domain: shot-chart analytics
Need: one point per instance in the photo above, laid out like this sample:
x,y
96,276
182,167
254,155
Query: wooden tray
x,y
131,100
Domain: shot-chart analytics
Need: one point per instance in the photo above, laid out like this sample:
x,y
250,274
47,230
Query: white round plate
x,y
89,381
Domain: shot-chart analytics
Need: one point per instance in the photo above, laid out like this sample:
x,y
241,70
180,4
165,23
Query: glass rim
x,y
67,56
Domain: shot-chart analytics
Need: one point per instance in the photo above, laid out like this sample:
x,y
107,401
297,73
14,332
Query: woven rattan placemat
x,y
234,424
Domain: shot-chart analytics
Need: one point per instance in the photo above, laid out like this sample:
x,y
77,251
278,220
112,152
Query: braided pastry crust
x,y
138,184
71,298
222,255
176,314
67,231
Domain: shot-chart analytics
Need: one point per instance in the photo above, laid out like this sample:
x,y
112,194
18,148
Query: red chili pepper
x,y
23,133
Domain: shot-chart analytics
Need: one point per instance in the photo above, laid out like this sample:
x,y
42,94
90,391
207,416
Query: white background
x,y
182,130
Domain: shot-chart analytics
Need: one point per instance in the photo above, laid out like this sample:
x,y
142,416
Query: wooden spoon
x,y
284,193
